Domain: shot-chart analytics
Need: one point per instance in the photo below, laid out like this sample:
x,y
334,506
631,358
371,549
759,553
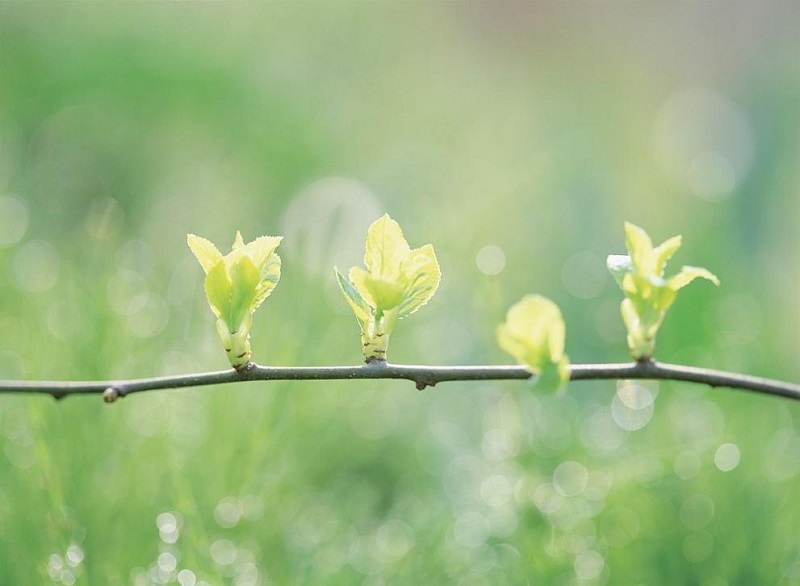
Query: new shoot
x,y
236,284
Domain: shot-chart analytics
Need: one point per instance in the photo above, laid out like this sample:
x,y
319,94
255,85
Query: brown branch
x,y
422,376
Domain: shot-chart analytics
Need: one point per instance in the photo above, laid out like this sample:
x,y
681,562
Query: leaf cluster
x,y
648,293
397,280
236,285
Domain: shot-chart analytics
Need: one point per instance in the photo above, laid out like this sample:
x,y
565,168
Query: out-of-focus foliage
x,y
517,137
534,333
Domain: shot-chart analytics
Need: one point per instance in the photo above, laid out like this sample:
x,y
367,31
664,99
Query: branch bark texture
x,y
422,376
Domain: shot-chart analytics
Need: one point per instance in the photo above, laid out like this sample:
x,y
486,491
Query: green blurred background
x,y
514,137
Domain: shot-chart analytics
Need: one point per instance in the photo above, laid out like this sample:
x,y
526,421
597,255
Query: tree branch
x,y
423,376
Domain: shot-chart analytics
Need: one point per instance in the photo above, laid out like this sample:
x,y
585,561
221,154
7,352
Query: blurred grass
x,y
534,128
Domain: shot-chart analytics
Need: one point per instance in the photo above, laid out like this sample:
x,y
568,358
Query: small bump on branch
x,y
110,395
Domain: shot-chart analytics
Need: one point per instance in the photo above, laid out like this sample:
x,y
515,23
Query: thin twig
x,y
423,376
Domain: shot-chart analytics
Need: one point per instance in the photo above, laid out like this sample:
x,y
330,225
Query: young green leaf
x,y
262,249
395,283
236,284
270,275
648,294
534,333
421,275
689,274
245,278
640,249
353,297
205,252
386,247
218,289
378,291
664,252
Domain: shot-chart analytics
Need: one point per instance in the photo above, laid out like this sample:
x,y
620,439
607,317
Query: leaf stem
x,y
423,376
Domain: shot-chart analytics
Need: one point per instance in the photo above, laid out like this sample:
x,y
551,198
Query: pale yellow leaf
x,y
386,248
422,274
261,248
204,250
